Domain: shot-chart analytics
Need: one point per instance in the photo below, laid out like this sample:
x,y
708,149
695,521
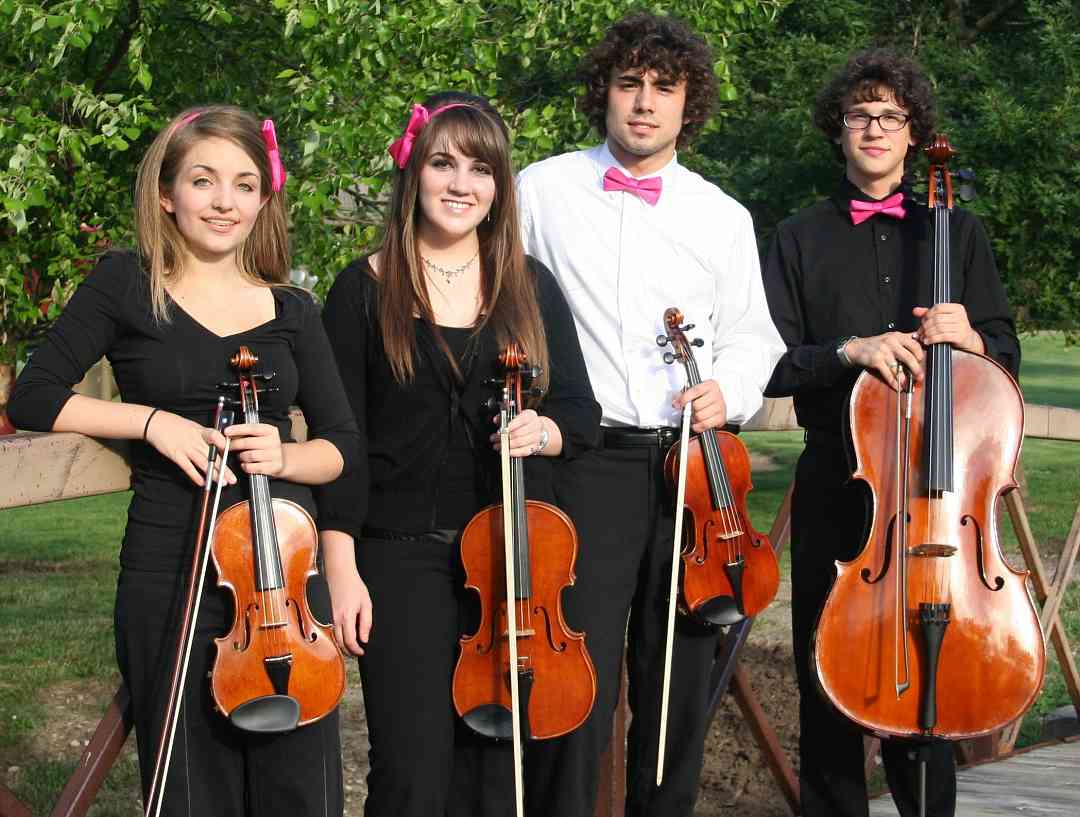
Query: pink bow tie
x,y
892,206
648,190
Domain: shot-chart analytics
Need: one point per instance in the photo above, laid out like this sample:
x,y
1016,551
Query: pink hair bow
x,y
401,148
277,169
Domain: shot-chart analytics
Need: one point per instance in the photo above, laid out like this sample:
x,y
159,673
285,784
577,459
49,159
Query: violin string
x,y
273,613
521,530
258,540
711,444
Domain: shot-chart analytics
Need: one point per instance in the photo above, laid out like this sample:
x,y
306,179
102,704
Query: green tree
x,y
1007,75
85,84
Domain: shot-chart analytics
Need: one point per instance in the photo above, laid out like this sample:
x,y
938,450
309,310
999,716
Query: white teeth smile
x,y
457,205
219,223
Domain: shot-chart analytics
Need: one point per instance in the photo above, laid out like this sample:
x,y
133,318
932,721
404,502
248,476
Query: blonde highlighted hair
x,y
263,258
508,290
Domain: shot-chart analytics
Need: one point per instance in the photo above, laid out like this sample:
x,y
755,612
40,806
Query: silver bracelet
x,y
841,351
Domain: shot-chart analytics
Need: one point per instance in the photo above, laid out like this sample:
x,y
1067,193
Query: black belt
x,y
820,436
442,535
631,437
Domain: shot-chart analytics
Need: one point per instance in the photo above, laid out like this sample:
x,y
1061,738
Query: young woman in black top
x,y
417,328
210,274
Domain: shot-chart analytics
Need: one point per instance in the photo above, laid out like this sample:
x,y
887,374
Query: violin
x,y
278,667
929,632
523,674
729,570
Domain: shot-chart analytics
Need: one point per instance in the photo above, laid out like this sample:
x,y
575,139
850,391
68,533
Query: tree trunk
x,y
7,380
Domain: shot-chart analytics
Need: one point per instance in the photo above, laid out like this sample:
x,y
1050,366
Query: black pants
x,y
215,769
828,519
623,514
424,761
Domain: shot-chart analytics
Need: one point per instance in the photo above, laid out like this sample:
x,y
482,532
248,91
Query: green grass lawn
x,y
58,569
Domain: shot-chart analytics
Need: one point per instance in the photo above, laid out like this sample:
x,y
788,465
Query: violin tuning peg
x,y
697,342
662,340
491,404
495,382
668,357
688,327
537,391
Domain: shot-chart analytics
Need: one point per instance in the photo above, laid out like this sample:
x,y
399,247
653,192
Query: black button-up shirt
x,y
827,279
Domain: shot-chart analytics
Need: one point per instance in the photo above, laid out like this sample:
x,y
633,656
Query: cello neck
x,y
939,381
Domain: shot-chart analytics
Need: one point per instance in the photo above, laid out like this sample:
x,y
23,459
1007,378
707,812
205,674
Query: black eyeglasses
x,y
856,120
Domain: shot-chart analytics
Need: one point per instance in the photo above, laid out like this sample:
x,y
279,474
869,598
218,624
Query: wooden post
x,y
611,792
81,789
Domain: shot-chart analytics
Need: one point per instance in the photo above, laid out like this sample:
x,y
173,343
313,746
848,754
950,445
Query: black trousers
x,y
623,513
424,761
828,521
216,769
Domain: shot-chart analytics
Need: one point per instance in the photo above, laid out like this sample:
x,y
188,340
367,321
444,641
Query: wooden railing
x,y
40,468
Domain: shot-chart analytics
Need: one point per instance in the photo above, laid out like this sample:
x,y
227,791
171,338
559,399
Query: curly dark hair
x,y
867,77
651,42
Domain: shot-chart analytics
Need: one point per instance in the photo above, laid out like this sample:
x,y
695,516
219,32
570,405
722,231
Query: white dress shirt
x,y
622,262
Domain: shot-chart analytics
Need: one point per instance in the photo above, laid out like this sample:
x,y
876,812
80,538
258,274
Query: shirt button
x,y
884,237
887,278
891,325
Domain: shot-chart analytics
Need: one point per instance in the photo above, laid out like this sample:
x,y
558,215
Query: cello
x,y
523,674
929,633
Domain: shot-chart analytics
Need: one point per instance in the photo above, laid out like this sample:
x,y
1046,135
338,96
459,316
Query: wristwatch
x,y
840,353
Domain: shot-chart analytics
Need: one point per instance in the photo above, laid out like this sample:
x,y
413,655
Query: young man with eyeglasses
x,y
848,281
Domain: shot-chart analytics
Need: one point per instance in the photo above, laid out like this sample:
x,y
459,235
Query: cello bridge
x,y
932,550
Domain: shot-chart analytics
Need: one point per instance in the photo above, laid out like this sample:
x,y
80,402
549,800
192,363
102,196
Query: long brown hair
x,y
263,258
507,289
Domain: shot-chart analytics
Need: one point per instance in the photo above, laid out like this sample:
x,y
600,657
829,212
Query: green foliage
x,y
1008,88
362,65
85,84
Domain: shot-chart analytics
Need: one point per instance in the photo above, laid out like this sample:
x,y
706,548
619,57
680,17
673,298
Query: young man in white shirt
x,y
629,232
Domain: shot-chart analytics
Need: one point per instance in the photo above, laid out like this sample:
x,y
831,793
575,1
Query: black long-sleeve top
x,y
177,366
827,279
406,429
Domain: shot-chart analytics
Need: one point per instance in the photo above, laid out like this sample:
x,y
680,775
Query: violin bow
x,y
509,553
222,419
673,592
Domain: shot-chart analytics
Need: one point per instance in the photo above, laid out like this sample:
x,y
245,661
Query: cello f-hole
x,y
980,555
